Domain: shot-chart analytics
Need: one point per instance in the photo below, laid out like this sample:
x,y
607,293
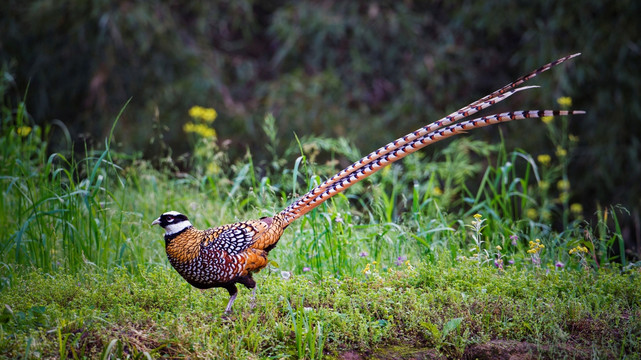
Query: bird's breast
x,y
210,267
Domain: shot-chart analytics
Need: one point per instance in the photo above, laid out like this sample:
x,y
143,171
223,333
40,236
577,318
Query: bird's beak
x,y
156,222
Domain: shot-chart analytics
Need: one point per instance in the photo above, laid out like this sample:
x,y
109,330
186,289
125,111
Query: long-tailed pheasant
x,y
230,254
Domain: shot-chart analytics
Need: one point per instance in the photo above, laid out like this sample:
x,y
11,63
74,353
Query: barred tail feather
x,y
489,100
419,139
455,116
527,77
348,180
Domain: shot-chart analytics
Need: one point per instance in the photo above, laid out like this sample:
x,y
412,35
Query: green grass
x,y
444,306
64,212
398,264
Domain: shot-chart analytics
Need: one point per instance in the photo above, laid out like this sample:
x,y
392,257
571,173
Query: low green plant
x,y
447,306
309,337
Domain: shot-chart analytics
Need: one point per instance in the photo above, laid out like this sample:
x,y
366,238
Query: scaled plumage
x,y
230,254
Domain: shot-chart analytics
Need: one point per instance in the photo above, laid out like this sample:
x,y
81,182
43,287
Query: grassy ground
x,y
440,310
412,263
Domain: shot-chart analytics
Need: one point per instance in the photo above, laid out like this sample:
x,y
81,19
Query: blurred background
x,y
368,71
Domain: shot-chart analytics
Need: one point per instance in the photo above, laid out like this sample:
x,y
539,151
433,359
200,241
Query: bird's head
x,y
173,222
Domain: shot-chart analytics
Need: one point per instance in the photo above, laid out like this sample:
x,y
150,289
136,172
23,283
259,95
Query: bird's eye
x,y
170,218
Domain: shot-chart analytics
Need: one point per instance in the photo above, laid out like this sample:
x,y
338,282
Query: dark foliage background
x,y
365,70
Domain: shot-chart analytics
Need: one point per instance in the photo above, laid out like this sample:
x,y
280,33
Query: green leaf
x,y
451,325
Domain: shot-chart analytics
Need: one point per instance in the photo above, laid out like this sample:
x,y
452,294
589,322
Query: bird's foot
x,y
252,302
226,317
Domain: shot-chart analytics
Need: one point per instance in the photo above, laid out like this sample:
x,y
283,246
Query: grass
x,y
421,259
447,307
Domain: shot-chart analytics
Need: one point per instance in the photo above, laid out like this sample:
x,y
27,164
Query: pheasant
x,y
230,254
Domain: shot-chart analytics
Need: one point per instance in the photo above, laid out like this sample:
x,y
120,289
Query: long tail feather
x,y
418,139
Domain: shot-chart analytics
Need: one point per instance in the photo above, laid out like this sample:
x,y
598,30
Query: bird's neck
x,y
184,245
174,229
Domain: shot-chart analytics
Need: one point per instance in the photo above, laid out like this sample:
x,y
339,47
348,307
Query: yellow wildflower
x,y
478,216
366,270
209,115
498,247
409,266
544,185
199,112
196,111
436,191
200,129
563,197
23,130
544,159
578,249
547,119
531,213
535,246
564,101
573,138
213,168
561,152
576,208
563,185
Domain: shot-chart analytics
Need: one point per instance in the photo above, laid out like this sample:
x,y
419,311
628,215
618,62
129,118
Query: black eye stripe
x,y
170,218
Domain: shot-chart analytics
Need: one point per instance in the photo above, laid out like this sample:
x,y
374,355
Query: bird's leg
x,y
252,304
233,292
230,303
249,282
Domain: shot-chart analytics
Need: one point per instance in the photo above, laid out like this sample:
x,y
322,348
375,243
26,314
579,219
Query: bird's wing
x,y
232,238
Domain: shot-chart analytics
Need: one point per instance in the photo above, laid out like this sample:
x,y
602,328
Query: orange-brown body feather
x,y
225,254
